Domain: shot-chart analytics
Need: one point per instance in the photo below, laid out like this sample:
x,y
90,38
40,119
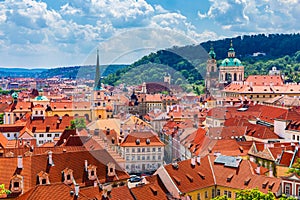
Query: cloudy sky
x,y
52,33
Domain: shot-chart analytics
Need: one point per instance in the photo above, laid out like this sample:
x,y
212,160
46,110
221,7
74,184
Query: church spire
x,y
212,53
231,53
98,74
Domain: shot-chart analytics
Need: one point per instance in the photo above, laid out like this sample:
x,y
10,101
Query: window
x,y
159,157
218,192
148,149
127,150
49,135
41,135
42,112
143,157
206,194
229,194
68,177
153,157
44,181
298,137
159,149
16,184
257,96
198,196
133,150
298,191
287,189
56,134
138,150
40,142
213,193
36,112
294,137
8,135
127,157
139,157
143,149
225,192
133,158
153,149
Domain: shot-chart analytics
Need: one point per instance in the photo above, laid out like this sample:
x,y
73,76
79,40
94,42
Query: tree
x,y
78,123
295,167
254,194
3,190
1,118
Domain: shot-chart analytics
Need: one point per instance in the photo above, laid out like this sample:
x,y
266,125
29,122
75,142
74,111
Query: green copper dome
x,y
231,62
41,98
14,95
212,54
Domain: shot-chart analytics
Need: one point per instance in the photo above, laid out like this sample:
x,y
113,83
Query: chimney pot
x,y
50,160
193,163
76,190
20,162
198,160
85,165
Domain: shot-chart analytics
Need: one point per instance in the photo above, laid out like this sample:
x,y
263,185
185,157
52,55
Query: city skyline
x,y
61,33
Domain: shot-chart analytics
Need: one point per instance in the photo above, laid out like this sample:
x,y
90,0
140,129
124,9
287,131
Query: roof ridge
x,y
212,170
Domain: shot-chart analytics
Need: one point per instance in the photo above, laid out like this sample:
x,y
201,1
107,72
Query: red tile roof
x,y
131,139
263,80
52,192
72,160
153,190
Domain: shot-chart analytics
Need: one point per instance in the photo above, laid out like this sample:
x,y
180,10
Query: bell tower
x,y
211,70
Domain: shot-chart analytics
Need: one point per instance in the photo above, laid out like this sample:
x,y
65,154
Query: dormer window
x,y
16,184
92,172
137,141
43,178
111,169
67,177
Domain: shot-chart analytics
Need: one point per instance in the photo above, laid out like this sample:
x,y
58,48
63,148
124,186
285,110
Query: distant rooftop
x,y
228,161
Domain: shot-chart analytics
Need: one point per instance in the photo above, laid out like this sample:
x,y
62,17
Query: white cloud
x,y
69,10
255,15
45,36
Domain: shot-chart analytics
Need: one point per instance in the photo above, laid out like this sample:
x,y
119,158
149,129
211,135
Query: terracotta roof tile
x,y
142,137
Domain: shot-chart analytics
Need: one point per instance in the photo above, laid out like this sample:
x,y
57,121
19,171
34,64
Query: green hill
x,y
187,64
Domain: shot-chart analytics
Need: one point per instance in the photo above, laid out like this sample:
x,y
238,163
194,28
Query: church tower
x,y
98,98
211,78
231,68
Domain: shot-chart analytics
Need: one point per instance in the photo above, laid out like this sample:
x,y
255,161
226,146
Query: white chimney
x,y
271,172
85,165
198,160
20,162
76,190
50,160
257,169
193,161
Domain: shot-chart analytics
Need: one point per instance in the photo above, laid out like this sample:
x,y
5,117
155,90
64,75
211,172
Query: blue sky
x,y
50,33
